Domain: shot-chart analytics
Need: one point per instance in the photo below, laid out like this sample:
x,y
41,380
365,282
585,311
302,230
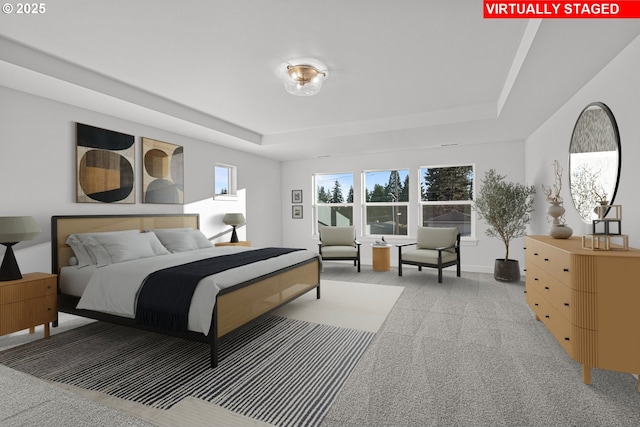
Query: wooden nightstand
x,y
245,243
28,302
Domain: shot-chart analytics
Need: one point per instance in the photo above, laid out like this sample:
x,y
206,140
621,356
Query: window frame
x,y
422,203
317,204
232,191
365,204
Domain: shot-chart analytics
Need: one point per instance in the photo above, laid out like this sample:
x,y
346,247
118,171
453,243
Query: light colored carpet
x,y
343,304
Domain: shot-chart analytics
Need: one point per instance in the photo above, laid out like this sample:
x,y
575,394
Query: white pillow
x,y
125,247
201,239
182,239
80,252
85,253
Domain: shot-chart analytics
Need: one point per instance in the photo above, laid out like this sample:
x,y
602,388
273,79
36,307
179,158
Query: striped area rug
x,y
281,371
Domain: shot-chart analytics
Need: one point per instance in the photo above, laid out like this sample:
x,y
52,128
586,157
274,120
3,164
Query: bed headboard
x,y
64,225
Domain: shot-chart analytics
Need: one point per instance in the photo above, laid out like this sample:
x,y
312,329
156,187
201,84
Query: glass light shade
x,y
18,228
233,219
303,80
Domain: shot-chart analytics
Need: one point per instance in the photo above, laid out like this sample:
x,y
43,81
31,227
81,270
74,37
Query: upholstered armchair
x,y
437,247
339,243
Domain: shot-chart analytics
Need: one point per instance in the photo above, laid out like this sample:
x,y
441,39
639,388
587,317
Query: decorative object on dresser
x,y
600,238
506,208
594,159
163,172
234,220
15,229
558,229
588,300
27,302
105,166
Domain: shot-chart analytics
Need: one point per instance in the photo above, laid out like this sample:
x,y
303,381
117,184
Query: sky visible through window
x,y
382,177
327,181
346,180
221,180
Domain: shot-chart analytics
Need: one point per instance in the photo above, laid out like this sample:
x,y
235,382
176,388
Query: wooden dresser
x,y
28,302
589,300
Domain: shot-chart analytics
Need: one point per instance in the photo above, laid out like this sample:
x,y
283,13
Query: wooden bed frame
x,y
235,308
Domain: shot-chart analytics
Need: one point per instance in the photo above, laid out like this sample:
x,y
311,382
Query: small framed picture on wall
x,y
296,196
296,211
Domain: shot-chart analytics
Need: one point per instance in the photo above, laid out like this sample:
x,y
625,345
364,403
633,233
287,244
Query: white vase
x,y
558,230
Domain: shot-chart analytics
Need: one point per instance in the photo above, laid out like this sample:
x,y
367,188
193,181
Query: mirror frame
x,y
616,134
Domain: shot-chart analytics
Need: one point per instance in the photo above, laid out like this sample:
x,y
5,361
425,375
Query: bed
x,y
223,303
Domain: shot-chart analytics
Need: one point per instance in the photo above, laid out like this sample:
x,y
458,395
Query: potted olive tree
x,y
506,208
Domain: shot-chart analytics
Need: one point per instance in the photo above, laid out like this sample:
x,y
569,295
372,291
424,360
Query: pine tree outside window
x,y
446,197
386,202
334,199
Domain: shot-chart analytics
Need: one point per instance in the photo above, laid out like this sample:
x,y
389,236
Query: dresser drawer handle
x,y
546,259
546,287
535,253
566,304
567,339
535,279
536,304
566,270
546,316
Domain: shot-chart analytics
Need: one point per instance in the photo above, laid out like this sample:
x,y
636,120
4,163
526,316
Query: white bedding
x,y
113,288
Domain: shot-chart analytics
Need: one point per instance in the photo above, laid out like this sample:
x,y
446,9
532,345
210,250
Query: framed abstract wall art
x,y
162,172
104,166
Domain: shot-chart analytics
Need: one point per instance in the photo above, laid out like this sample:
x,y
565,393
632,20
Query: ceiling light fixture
x,y
303,80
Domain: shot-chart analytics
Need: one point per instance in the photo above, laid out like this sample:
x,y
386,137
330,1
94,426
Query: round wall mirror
x,y
594,159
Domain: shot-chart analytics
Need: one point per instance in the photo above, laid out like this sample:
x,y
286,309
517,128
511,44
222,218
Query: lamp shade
x,y
233,219
17,228
14,229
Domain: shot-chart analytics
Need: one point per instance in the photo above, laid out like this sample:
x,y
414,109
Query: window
x,y
386,202
334,199
446,197
224,181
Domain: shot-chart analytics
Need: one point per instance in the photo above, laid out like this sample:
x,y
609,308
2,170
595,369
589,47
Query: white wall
x,y
618,86
478,255
37,175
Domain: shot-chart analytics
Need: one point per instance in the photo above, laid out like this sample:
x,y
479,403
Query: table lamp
x,y
14,229
234,220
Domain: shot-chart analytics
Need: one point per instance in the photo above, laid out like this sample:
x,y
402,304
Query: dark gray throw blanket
x,y
165,295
